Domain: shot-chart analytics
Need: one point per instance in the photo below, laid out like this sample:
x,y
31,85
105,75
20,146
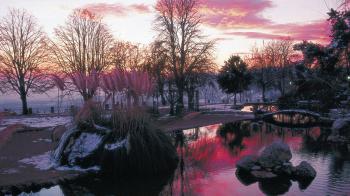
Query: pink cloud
x,y
247,14
315,31
225,14
258,35
117,9
141,8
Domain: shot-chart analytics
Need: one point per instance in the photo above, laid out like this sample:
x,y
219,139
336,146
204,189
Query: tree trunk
x,y
113,100
235,99
263,93
24,103
136,100
171,100
86,96
197,101
190,95
162,97
180,100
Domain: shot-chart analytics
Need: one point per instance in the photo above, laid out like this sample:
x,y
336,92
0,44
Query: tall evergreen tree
x,y
234,76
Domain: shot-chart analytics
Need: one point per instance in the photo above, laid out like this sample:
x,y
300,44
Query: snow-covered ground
x,y
45,162
38,121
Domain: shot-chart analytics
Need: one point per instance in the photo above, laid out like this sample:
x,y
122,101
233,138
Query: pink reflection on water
x,y
208,163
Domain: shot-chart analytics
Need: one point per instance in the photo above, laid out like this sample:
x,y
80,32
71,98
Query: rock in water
x,y
246,163
263,175
275,154
304,171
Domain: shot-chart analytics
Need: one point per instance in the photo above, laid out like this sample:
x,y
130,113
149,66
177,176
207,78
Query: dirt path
x,y
16,176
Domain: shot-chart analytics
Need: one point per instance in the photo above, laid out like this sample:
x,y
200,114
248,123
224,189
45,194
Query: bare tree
x,y
178,24
83,47
261,70
279,53
156,65
126,55
272,65
23,53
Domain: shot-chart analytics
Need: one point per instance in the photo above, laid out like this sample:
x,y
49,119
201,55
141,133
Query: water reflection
x,y
208,161
207,164
122,187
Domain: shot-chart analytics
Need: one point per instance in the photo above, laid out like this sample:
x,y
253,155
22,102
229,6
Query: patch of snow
x,y
42,162
340,123
123,143
84,145
101,128
64,139
42,140
39,122
55,190
338,113
9,171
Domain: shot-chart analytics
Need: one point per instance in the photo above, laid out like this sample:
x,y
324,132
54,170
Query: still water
x,y
207,164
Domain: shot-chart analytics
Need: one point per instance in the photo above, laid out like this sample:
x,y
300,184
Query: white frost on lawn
x,y
123,143
40,121
84,145
42,162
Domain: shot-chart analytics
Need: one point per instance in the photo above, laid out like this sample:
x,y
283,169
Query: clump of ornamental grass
x,y
89,115
148,152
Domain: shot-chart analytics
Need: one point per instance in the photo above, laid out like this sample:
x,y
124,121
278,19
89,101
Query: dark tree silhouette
x,y
178,23
23,54
82,49
234,76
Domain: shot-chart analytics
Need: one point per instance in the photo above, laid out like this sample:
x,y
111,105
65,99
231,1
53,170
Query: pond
x,y
207,164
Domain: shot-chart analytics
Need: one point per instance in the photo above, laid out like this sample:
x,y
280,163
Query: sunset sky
x,y
236,24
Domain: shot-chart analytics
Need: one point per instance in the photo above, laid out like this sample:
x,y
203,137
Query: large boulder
x,y
275,154
81,148
273,170
246,163
146,152
304,171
